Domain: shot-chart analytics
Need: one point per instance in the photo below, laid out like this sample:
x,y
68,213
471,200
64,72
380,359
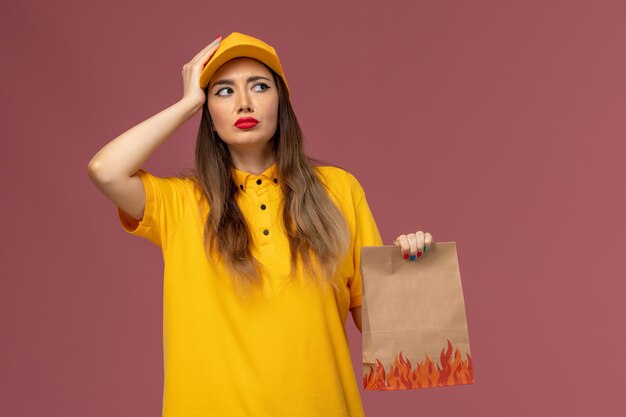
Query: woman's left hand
x,y
414,244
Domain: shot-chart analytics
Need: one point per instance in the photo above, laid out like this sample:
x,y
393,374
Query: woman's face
x,y
243,87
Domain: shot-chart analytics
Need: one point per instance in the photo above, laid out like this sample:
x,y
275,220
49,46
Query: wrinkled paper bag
x,y
414,329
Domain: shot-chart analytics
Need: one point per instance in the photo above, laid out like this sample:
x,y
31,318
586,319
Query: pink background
x,y
496,124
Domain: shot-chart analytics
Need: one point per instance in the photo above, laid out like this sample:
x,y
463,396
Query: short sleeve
x,y
163,212
365,234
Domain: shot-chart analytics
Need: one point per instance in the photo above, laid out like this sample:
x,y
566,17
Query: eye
x,y
256,85
218,91
267,86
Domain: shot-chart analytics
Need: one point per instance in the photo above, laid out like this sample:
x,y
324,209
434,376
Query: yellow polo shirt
x,y
282,353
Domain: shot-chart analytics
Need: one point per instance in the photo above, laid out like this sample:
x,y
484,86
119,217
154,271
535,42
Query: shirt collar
x,y
245,179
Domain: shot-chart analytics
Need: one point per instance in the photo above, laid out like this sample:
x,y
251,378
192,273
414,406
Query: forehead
x,y
240,66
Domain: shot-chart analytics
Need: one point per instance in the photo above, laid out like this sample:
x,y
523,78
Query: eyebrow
x,y
231,82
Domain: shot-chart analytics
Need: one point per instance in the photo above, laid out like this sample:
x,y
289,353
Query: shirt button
x,y
241,186
258,182
266,232
262,206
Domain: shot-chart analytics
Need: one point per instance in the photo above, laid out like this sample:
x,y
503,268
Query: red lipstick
x,y
246,122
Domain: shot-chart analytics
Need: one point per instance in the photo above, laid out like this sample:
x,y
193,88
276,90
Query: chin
x,y
247,138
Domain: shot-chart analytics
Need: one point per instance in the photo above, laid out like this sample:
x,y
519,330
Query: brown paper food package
x,y
414,328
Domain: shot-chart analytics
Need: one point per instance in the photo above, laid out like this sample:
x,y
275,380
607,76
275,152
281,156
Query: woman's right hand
x,y
192,93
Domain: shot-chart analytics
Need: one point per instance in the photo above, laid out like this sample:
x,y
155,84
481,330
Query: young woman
x,y
261,246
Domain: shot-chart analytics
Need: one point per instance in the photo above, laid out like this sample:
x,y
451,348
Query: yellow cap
x,y
238,44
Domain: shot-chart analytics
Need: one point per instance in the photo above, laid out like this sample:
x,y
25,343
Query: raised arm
x,y
113,167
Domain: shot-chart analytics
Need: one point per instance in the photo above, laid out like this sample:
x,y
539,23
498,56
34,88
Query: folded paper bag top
x,y
414,327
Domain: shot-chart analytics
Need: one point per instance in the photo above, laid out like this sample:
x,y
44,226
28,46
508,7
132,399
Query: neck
x,y
252,162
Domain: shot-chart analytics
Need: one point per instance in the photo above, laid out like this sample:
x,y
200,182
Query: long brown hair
x,y
316,228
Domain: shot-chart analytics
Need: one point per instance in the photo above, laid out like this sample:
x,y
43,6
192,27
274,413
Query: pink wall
x,y
496,124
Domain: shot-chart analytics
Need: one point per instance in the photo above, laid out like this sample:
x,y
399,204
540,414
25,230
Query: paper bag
x,y
414,329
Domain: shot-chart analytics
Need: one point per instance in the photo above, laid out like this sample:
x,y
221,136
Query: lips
x,y
246,122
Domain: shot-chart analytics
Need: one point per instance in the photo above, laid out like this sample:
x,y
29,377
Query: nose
x,y
244,102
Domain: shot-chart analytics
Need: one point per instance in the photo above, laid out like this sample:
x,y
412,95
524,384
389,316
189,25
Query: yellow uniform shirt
x,y
282,353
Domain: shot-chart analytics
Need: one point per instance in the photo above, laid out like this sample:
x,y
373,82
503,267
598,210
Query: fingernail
x,y
425,249
412,257
419,253
406,255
